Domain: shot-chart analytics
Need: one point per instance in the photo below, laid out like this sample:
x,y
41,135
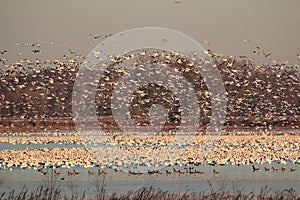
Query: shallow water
x,y
49,145
119,182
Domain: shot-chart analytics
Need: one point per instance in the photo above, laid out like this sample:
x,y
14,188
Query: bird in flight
x,y
2,60
106,36
205,42
72,52
100,36
164,40
95,36
245,40
258,50
266,54
36,50
177,1
3,52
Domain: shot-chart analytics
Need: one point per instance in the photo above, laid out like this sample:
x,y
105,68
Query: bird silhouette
x,y
71,52
36,50
95,36
101,36
3,52
255,169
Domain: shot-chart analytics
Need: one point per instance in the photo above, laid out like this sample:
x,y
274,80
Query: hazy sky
x,y
271,24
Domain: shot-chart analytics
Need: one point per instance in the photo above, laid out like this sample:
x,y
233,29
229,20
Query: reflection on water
x,y
119,182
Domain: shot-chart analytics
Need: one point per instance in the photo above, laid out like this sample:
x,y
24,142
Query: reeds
x,y
151,193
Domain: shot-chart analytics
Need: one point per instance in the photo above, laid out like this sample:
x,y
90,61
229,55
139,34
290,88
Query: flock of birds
x,y
173,171
101,172
69,172
259,96
256,169
126,153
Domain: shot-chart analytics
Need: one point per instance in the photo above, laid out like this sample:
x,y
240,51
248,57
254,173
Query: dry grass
x,y
151,193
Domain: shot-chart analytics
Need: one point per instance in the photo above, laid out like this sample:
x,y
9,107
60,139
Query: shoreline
x,y
17,125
